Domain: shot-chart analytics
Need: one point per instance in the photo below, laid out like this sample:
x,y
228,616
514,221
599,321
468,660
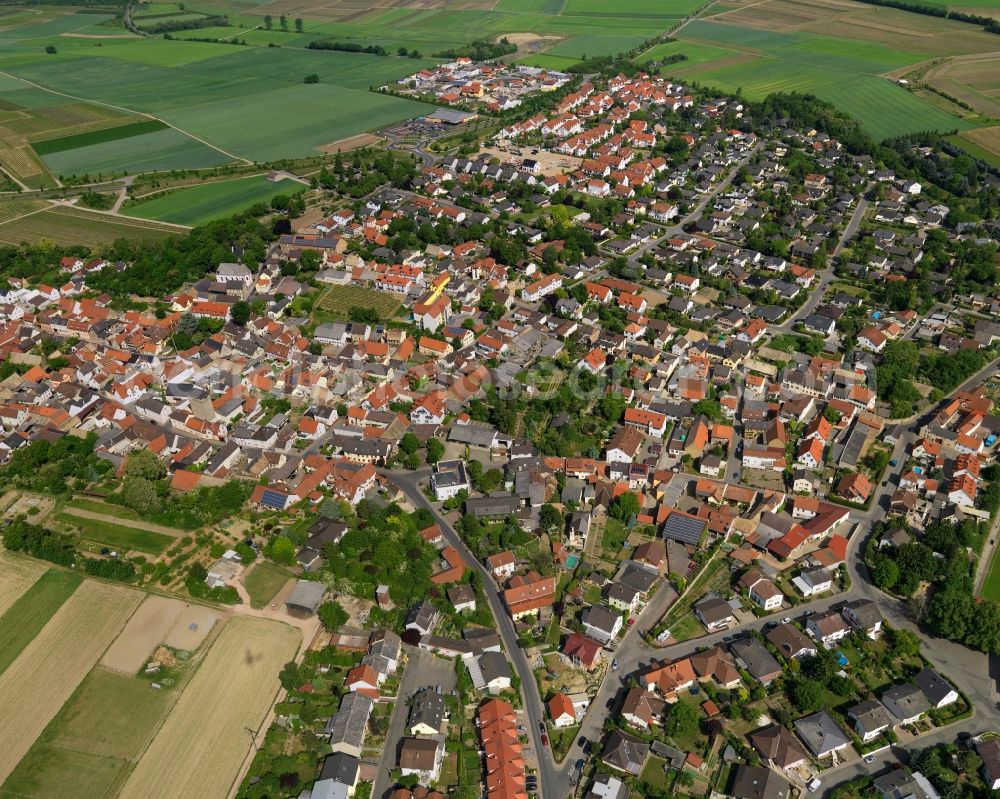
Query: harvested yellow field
x,y
200,747
16,576
50,668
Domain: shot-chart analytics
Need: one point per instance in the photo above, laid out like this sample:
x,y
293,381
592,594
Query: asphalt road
x,y
408,483
422,670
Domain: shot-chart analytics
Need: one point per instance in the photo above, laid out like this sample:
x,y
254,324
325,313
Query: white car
x,y
814,784
870,759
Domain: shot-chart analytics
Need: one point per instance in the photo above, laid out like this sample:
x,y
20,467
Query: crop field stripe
x,y
94,739
202,203
31,612
57,145
118,536
45,674
198,750
17,574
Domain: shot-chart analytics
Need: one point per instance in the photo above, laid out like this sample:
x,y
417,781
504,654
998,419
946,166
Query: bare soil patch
x,y
148,627
191,628
529,43
350,143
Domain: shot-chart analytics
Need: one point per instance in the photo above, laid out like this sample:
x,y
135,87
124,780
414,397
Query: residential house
x,y
827,628
869,719
821,733
778,747
625,753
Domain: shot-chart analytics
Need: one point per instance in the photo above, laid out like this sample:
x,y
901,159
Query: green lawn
x,y
991,585
200,204
105,508
614,535
118,536
687,628
263,581
653,774
93,740
32,611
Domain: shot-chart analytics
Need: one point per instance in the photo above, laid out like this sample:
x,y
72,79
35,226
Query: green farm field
x,y
851,74
71,226
119,536
101,136
32,610
94,740
199,204
154,151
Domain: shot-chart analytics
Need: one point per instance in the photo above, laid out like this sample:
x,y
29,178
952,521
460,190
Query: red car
x,y
545,740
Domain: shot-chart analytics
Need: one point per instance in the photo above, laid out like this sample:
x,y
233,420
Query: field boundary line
x,y
137,524
130,111
178,690
24,216
122,219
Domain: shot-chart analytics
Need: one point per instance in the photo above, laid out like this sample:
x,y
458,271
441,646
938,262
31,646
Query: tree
x,y
806,695
146,465
268,22
550,518
283,550
332,615
50,49
624,506
140,495
885,573
682,721
290,676
435,449
312,77
904,643
197,572
298,24
409,443
239,313
283,22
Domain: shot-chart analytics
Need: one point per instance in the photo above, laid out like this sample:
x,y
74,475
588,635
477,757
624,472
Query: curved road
x,y
969,670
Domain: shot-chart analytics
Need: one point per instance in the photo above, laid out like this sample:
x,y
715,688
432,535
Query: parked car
x,y
814,784
870,759
614,665
582,742
580,764
541,726
545,740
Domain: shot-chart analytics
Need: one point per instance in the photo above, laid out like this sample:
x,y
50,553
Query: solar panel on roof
x,y
272,499
685,529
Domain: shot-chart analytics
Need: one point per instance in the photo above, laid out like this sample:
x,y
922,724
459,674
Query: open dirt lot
x,y
148,627
191,628
198,750
35,686
351,143
16,576
549,163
